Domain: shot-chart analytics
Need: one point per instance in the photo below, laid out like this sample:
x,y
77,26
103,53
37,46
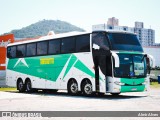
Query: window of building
x,y
54,47
124,29
83,43
11,52
110,27
68,45
42,48
31,49
21,51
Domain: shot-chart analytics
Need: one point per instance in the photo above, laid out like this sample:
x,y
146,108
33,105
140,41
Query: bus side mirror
x,y
151,60
116,58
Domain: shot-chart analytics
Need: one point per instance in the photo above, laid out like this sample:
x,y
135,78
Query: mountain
x,y
42,28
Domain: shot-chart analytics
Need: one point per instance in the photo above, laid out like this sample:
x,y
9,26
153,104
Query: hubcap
x,y
88,88
20,85
74,88
28,86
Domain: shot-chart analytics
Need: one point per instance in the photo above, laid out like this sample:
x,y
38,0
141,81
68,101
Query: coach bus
x,y
79,62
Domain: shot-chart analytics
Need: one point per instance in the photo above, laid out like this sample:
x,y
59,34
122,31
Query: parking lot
x,y
61,101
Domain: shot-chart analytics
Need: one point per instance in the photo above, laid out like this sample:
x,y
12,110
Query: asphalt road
x,y
61,101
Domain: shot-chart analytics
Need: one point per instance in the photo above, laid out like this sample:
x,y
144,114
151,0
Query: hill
x,y
41,28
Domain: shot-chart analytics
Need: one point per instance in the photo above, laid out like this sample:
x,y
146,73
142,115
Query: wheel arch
x,y
27,79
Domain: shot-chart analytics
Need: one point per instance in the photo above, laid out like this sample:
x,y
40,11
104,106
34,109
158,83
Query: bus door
x,y
101,57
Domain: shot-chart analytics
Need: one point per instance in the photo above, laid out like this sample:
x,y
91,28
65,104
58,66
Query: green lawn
x,y
155,85
8,89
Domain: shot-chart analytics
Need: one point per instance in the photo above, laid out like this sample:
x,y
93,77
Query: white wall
x,y
155,52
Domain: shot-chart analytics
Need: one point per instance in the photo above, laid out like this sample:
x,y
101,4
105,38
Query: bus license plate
x,y
134,89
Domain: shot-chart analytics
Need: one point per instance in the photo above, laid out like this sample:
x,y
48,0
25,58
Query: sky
x,y
16,14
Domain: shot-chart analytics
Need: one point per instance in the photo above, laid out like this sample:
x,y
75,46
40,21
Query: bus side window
x,y
54,47
11,52
83,43
31,49
42,48
21,50
68,45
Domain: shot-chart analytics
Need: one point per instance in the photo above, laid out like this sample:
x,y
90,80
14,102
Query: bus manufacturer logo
x,y
134,89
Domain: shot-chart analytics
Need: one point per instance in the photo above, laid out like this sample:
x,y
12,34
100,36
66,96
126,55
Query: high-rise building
x,y
138,24
146,36
113,21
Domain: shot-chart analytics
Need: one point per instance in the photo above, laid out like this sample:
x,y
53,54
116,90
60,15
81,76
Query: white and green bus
x,y
90,62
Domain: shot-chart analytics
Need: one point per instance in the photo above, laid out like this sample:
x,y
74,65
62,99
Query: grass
x,y
7,89
155,85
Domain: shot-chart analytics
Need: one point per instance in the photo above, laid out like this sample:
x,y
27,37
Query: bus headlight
x,y
144,83
119,83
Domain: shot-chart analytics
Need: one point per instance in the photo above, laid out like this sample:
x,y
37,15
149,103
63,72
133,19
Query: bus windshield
x,y
131,66
124,41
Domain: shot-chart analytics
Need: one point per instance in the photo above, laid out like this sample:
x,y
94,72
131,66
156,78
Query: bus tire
x,y
87,88
72,87
20,86
28,85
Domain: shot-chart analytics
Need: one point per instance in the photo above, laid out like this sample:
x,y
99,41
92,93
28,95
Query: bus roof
x,y
114,31
62,35
49,37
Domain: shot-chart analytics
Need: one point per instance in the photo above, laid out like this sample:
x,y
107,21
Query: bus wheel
x,y
87,88
72,87
20,86
28,86
115,94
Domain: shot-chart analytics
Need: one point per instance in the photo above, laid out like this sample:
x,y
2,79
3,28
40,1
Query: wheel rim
x,y
20,85
28,86
74,87
88,88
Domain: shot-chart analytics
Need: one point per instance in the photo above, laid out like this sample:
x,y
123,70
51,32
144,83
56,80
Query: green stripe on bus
x,y
79,65
139,88
132,81
47,71
70,64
